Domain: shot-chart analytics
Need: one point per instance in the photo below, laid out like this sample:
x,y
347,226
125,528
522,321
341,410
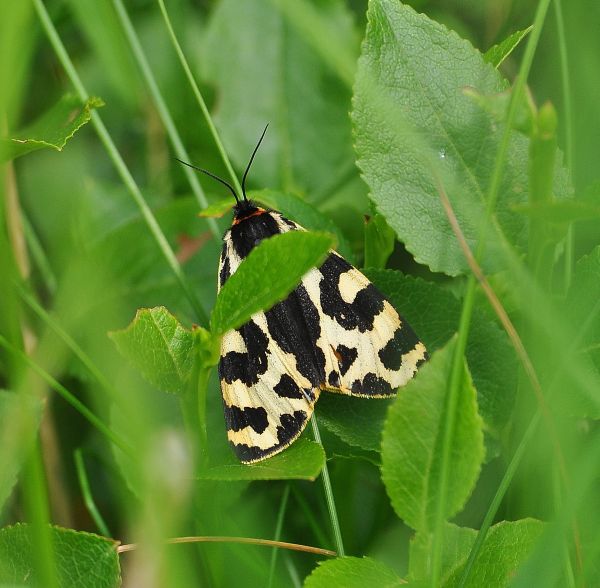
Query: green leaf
x,y
217,209
415,129
353,572
302,460
357,421
412,438
20,417
53,129
269,273
159,347
309,139
379,242
306,215
506,546
498,53
82,559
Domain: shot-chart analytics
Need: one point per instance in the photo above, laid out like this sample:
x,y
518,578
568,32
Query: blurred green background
x,y
89,258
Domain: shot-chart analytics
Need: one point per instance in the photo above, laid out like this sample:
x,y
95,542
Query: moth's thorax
x,y
251,224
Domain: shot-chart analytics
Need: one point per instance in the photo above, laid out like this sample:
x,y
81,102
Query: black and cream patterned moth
x,y
335,332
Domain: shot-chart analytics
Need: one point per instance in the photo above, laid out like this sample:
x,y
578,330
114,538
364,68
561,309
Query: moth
x,y
335,332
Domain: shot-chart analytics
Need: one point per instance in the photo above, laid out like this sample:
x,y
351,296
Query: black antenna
x,y
204,171
250,162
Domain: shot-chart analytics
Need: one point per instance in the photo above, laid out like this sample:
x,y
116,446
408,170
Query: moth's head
x,y
245,209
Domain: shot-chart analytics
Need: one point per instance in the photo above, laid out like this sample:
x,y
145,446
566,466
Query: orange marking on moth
x,y
257,213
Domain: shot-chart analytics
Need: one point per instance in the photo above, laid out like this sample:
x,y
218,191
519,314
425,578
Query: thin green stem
x,y
75,348
278,529
119,164
569,129
68,396
37,508
335,524
163,111
39,255
467,308
200,99
86,492
509,474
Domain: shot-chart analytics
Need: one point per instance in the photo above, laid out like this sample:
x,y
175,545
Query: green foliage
x,y
498,53
506,547
431,116
353,572
160,348
302,461
408,94
82,559
18,413
412,439
271,271
52,129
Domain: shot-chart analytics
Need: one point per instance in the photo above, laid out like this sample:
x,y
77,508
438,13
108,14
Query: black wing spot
x,y
290,425
361,312
372,385
346,357
403,341
225,270
333,379
248,365
287,388
237,418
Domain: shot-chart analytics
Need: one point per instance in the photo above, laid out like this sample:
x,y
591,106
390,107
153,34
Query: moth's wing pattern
x,y
268,377
267,400
335,331
369,350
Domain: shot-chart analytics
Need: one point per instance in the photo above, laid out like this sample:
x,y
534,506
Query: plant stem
x,y
163,111
88,499
200,99
335,525
118,162
68,396
467,308
278,528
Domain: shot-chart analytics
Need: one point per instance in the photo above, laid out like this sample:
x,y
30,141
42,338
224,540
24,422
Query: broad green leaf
x,y
309,139
379,242
159,347
506,546
415,129
306,215
302,460
498,53
357,421
412,444
53,129
217,209
20,416
82,559
353,572
434,313
269,273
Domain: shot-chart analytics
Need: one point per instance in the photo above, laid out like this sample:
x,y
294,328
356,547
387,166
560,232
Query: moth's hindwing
x,y
335,331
